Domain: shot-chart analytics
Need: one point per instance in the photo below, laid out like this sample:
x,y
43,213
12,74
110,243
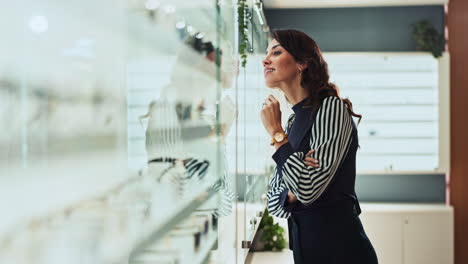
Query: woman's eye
x,y
277,52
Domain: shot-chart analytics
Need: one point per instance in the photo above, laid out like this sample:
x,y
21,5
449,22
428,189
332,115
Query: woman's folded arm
x,y
330,138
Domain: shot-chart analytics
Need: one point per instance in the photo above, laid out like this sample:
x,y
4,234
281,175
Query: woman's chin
x,y
270,85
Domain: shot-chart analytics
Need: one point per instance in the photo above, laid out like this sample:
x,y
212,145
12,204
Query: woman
x,y
314,180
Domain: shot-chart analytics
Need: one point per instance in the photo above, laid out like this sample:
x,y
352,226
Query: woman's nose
x,y
265,62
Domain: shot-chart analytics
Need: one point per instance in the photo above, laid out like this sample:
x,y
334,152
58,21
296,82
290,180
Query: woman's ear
x,y
302,66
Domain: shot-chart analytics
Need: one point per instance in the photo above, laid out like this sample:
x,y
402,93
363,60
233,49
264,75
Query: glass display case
x,y
131,131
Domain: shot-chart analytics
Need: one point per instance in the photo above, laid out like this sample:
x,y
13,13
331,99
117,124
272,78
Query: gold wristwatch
x,y
278,137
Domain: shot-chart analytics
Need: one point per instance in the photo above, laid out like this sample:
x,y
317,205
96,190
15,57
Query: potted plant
x,y
270,235
427,38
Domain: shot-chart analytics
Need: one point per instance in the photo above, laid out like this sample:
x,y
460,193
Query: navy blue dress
x,y
324,225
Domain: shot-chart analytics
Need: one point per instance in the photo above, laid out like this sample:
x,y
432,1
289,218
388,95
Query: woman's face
x,y
279,66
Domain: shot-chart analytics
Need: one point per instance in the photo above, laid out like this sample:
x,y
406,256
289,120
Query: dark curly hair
x,y
315,77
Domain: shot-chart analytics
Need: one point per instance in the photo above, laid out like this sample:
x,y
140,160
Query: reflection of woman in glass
x,y
181,141
314,180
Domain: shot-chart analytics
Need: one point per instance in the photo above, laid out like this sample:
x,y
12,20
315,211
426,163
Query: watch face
x,y
279,137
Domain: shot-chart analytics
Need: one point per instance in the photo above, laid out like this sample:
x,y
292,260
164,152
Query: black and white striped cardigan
x,y
330,138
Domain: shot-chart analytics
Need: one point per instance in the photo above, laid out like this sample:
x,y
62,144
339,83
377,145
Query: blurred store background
x,y
130,129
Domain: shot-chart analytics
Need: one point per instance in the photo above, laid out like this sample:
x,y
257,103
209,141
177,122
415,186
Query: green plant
x,y
273,234
427,38
242,21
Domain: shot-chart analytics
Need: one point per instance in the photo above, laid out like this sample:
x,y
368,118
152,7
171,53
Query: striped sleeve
x,y
330,138
277,187
278,191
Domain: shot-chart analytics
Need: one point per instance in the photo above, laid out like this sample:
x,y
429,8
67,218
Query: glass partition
x,y
127,127
62,88
253,150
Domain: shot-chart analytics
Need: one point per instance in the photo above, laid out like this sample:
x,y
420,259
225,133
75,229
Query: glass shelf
x,y
171,219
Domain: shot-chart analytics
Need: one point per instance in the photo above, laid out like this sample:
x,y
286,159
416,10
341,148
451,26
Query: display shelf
x,y
162,223
188,240
199,257
203,253
75,181
164,226
56,188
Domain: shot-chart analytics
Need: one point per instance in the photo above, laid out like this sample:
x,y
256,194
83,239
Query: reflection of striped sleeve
x,y
226,199
330,138
277,187
196,167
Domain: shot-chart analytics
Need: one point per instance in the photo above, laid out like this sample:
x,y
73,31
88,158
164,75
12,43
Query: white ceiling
x,y
346,3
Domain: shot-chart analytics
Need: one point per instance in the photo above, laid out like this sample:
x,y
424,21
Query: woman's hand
x,y
271,115
309,161
291,197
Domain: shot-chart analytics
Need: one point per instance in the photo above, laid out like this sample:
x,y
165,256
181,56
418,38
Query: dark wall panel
x,y
358,29
401,188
